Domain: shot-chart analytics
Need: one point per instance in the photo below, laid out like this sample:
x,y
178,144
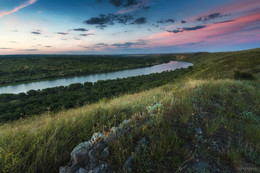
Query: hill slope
x,y
205,122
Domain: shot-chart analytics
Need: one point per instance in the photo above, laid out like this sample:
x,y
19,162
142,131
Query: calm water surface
x,y
15,89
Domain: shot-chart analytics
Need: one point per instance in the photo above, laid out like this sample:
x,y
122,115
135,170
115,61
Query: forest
x,y
15,106
26,68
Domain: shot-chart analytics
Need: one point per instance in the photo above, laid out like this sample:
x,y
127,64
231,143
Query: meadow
x,y
209,115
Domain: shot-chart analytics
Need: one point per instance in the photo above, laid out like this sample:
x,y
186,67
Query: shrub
x,y
243,76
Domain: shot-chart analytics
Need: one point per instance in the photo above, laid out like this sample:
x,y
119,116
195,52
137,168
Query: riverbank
x,y
16,69
23,88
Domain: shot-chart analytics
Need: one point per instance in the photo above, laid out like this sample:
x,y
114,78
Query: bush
x,y
243,76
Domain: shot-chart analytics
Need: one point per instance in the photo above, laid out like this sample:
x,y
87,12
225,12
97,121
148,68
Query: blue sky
x,y
127,26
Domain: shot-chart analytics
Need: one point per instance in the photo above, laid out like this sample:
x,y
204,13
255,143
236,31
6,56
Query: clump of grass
x,y
212,126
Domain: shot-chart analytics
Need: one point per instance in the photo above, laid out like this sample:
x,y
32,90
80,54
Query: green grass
x,y
223,65
226,110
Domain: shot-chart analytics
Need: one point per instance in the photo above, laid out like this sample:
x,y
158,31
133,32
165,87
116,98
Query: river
x,y
15,89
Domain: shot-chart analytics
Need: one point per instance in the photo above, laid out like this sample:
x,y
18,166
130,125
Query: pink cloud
x,y
236,31
239,7
27,3
242,6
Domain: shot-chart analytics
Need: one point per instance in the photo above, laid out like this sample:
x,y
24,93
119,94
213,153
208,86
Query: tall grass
x,y
42,144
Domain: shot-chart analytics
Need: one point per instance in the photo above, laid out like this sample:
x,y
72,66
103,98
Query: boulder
x,y
82,146
82,158
93,159
101,145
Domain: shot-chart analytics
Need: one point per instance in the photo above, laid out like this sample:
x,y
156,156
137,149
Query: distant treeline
x,y
15,106
26,68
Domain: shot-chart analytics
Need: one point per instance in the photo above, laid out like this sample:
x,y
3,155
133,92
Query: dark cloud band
x,y
210,17
166,21
102,21
36,32
62,33
80,29
187,29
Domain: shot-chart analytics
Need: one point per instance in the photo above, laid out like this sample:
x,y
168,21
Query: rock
x,y
104,154
103,168
90,156
128,164
82,170
86,145
81,158
93,159
101,145
82,146
95,136
74,168
63,169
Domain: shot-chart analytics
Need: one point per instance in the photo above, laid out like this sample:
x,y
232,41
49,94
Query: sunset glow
x,y
119,27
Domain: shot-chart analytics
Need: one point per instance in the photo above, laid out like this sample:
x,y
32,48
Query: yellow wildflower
x,y
144,128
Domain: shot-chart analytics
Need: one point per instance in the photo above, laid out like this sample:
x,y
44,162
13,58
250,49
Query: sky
x,y
128,26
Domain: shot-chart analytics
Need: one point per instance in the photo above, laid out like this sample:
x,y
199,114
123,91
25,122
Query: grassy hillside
x,y
222,65
207,118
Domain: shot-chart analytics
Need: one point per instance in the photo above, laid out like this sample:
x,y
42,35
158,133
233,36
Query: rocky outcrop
x,y
91,156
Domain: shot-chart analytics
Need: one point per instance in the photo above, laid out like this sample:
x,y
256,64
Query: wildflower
x,y
107,134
